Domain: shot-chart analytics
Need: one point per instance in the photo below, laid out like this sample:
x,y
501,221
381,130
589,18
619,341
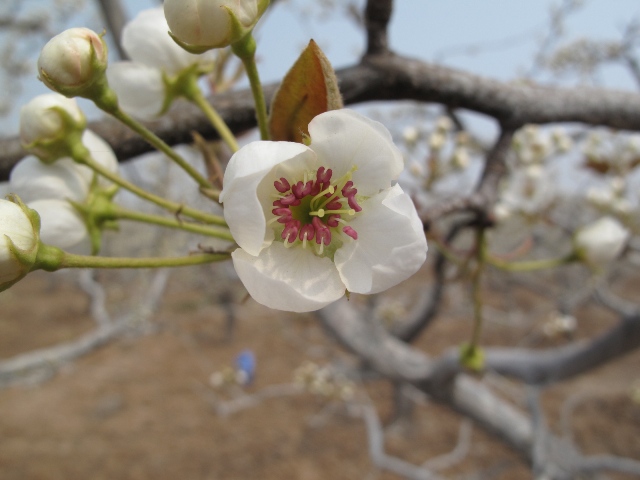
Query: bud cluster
x,y
323,381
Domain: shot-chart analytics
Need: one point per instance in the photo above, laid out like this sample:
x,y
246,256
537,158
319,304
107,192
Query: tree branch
x,y
388,77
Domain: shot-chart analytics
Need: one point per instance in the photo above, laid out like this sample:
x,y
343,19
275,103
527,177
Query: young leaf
x,y
309,89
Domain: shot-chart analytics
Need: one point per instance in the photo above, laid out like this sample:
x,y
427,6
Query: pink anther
x,y
282,185
351,232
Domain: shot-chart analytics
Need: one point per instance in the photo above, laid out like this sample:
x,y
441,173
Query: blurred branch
x,y
377,15
114,15
388,77
40,364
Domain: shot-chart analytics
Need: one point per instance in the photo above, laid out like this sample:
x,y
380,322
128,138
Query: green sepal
x,y
52,149
195,49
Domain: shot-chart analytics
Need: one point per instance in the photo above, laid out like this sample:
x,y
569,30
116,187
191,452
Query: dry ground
x,y
141,407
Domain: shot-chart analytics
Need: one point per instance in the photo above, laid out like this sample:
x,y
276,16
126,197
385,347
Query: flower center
x,y
315,208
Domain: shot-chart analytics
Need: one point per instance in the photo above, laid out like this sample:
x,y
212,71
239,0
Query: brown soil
x,y
142,406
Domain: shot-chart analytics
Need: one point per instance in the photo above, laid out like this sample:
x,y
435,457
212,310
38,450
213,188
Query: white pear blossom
x,y
17,231
71,62
312,222
529,190
141,84
209,23
601,242
48,188
48,117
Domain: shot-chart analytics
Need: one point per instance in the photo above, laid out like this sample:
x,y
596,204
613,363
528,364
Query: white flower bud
x,y
444,124
18,241
71,62
411,135
46,122
436,140
600,242
205,24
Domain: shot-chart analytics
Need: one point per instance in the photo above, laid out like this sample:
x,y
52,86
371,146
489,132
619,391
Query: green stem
x,y
81,155
70,260
214,117
245,50
127,214
52,258
477,288
531,265
110,106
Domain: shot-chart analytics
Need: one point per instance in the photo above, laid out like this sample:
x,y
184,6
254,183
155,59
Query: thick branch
x,y
391,77
377,16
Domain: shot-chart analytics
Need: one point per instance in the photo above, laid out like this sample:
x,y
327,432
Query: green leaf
x,y
309,89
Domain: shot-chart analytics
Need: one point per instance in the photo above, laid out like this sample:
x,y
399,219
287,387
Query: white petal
x,y
62,226
146,39
33,180
245,206
391,244
292,279
140,89
343,139
101,152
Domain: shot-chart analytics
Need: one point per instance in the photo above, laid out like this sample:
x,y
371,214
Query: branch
x,y
388,77
377,15
116,19
541,367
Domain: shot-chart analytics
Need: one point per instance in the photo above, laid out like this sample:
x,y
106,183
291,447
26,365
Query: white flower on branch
x,y
46,120
207,24
314,221
143,84
529,191
48,188
601,242
18,241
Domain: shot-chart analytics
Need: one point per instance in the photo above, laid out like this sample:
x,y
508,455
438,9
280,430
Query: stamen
x,y
306,233
324,177
290,200
282,185
333,220
323,234
350,193
330,190
290,231
351,232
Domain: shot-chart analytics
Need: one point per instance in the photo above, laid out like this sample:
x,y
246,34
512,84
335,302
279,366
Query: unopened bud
x,y
19,239
73,61
47,123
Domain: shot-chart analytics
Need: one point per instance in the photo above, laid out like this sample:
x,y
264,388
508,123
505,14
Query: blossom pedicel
x,y
314,221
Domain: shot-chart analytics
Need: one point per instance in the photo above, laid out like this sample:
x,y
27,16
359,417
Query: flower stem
x,y
52,258
214,117
477,288
81,155
531,265
123,213
245,49
111,107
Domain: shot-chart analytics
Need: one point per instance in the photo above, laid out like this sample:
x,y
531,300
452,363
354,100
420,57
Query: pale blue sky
x,y
428,29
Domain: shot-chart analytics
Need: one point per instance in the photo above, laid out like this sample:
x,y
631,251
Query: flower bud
x,y
47,123
200,25
600,242
19,239
73,61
